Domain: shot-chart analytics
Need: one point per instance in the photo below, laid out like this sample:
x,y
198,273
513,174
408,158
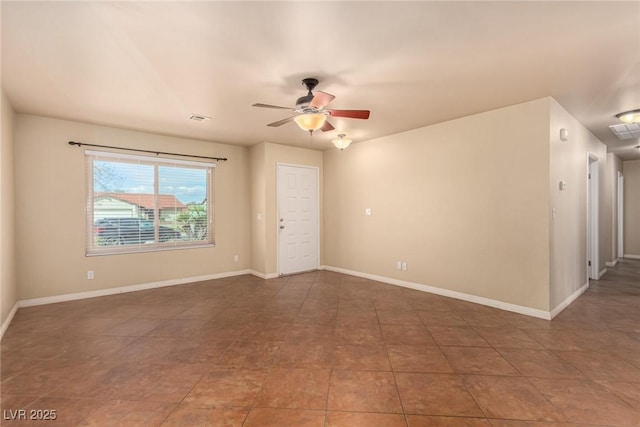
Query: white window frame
x,y
94,250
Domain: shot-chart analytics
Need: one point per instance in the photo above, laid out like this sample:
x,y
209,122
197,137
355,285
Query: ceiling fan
x,y
312,114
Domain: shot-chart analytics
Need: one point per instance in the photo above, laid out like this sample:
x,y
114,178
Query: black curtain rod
x,y
217,159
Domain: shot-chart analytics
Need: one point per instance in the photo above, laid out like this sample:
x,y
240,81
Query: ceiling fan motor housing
x,y
303,102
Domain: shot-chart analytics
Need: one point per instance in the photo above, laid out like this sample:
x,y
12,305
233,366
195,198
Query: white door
x,y
297,219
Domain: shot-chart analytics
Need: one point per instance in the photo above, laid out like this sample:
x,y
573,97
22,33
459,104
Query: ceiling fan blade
x,y
326,127
350,114
281,122
321,100
272,106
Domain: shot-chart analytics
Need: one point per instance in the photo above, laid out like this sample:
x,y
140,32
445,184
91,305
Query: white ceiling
x,y
149,65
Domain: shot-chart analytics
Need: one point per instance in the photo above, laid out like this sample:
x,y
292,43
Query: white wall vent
x,y
199,117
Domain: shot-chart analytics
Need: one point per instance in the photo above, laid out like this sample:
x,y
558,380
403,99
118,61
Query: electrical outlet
x,y
368,212
399,265
90,275
404,266
236,258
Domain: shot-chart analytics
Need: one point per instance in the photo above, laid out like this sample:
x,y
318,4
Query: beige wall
x,y
568,238
9,283
258,207
610,208
465,203
265,158
631,171
50,231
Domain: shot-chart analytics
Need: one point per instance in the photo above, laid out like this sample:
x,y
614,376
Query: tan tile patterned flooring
x,y
325,349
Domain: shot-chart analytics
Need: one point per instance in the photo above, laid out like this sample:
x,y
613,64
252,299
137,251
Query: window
x,y
140,204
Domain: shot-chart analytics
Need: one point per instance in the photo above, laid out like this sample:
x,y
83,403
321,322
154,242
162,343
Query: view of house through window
x,y
139,203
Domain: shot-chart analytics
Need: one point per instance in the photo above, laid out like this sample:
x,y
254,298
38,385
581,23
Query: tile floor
x,y
324,349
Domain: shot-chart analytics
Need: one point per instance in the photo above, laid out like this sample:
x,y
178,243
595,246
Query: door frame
x,y
620,207
316,169
592,217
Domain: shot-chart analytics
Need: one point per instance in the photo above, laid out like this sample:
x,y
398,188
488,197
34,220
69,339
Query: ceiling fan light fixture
x,y
341,142
310,121
632,116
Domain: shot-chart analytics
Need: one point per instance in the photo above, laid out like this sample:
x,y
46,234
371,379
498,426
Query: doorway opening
x,y
592,218
620,207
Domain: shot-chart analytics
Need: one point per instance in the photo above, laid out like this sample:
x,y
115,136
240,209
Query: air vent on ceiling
x,y
199,117
626,131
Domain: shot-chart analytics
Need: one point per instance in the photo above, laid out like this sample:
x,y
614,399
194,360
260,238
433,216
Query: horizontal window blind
x,y
139,204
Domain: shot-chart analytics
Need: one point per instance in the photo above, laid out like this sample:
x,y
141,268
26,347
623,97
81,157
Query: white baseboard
x,y
8,320
411,285
264,275
541,314
602,273
131,288
574,296
631,256
611,263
